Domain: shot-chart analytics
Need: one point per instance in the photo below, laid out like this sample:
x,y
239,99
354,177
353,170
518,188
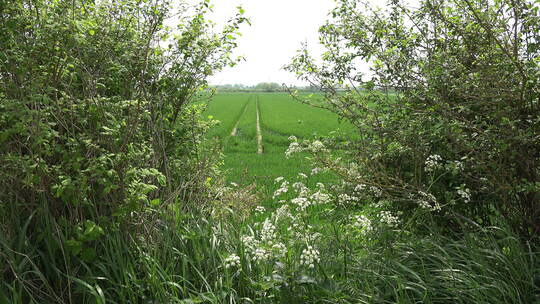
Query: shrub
x,y
449,112
98,128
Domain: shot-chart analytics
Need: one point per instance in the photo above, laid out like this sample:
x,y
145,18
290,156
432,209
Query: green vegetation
x,y
281,117
123,182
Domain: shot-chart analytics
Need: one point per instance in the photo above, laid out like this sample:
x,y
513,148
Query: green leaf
x,y
92,231
74,247
155,202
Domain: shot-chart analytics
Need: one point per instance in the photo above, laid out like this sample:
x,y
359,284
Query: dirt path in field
x,y
259,133
234,130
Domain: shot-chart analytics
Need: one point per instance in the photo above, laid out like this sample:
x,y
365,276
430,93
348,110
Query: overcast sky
x,y
278,27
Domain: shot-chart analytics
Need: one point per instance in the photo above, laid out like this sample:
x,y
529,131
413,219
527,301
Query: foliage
x,y
112,195
311,248
462,129
98,128
95,110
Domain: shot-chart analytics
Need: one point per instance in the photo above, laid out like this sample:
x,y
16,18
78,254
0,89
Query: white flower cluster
x,y
293,138
375,191
268,231
345,198
301,189
455,166
388,218
266,244
249,242
320,197
309,257
298,185
316,146
465,193
316,171
294,147
278,179
281,190
302,175
268,247
433,162
261,254
301,202
359,188
232,261
428,201
362,223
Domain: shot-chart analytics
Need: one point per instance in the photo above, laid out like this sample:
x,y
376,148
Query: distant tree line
x,y
261,87
275,87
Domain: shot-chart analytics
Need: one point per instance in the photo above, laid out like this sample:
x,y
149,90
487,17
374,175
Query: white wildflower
x,y
302,175
316,146
260,209
249,242
278,179
362,223
344,198
455,166
261,255
375,191
316,171
309,257
268,231
301,202
388,218
433,162
464,193
232,261
428,201
311,237
282,189
294,147
359,188
320,197
293,138
303,192
298,185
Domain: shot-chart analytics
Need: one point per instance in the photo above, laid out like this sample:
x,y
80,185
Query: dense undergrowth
x,y
110,196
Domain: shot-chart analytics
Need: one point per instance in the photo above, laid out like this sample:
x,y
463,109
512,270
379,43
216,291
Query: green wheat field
x,y
280,117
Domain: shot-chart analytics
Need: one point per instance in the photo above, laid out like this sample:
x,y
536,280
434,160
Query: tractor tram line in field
x,y
259,133
235,128
234,132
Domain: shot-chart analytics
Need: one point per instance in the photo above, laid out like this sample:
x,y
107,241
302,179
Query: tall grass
x,y
180,259
490,266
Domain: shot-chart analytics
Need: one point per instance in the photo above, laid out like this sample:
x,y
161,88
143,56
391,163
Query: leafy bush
x,y
449,114
98,128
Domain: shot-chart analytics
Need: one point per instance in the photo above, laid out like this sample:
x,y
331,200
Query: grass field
x,y
280,117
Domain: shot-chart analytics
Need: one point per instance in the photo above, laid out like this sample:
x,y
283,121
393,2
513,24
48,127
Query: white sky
x,y
278,27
